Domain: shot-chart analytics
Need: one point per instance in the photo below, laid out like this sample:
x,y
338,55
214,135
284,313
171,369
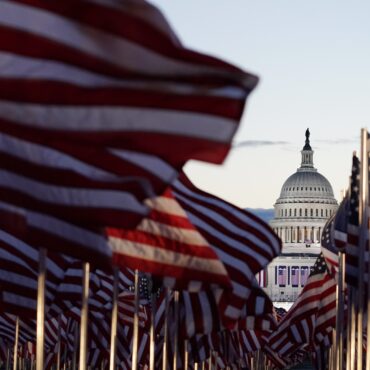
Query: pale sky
x,y
313,60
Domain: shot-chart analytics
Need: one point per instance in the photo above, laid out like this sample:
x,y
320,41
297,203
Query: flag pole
x,y
338,349
364,181
84,316
59,343
368,305
113,338
165,334
176,332
210,360
135,339
186,355
152,330
40,325
16,337
365,222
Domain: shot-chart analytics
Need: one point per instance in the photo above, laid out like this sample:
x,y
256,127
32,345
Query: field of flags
x,y
110,258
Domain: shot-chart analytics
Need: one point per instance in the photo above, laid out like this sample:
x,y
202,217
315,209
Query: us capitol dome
x,y
305,203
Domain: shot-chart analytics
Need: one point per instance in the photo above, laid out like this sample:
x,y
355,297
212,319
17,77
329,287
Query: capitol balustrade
x,y
286,297
301,248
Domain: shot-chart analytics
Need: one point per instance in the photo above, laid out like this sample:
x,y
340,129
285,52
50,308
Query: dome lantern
x,y
307,154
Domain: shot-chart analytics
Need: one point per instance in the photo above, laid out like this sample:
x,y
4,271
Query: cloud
x,y
258,143
339,141
288,145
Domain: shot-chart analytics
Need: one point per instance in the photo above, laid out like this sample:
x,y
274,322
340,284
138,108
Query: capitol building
x,y
305,203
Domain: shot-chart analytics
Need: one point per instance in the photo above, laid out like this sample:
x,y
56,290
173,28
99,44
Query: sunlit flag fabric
x,y
100,105
167,244
341,233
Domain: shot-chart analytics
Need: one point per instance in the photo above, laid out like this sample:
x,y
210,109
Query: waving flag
x,y
341,232
352,232
104,108
167,244
243,242
311,317
328,246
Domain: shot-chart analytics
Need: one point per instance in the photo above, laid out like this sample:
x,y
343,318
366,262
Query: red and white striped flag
x,y
351,235
167,244
312,315
114,74
104,108
243,242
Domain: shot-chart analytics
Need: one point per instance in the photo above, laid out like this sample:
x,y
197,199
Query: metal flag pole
x,y
364,137
368,302
135,339
210,360
152,331
340,313
16,337
330,357
351,322
40,325
84,316
366,223
176,331
342,326
186,355
59,347
364,181
113,330
165,334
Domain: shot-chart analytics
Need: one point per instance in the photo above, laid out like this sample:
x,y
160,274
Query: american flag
x,y
352,242
104,108
328,246
341,232
312,316
167,244
243,242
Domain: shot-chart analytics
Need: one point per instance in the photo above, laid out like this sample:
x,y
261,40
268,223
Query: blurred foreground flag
x,y
101,105
113,74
